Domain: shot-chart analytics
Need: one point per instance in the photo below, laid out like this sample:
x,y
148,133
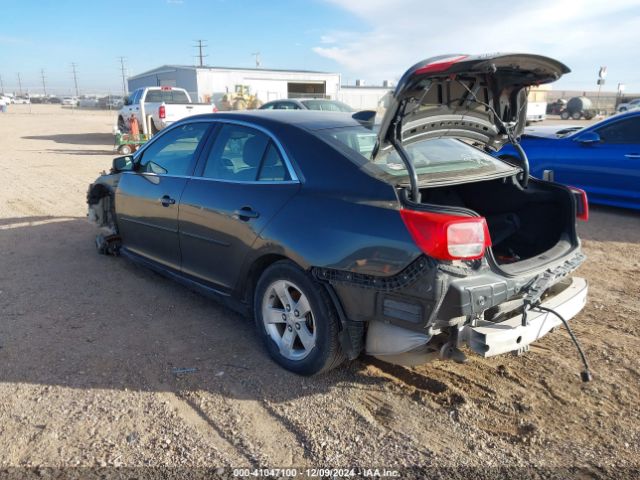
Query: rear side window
x,y
621,132
166,96
273,168
327,105
243,154
172,153
286,106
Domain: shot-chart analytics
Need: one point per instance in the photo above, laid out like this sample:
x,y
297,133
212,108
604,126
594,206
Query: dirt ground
x,y
88,345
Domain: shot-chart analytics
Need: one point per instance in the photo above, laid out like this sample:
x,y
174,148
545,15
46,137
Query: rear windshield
x,y
327,105
436,160
166,96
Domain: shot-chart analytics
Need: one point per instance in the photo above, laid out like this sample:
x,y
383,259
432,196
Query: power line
x,y
200,56
19,84
44,84
75,77
123,70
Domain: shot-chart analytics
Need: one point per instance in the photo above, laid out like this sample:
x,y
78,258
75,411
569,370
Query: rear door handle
x,y
246,213
167,200
632,155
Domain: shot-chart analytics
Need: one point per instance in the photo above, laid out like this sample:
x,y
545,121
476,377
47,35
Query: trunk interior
x,y
523,224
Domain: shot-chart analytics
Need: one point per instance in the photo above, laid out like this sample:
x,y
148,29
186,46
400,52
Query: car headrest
x,y
253,150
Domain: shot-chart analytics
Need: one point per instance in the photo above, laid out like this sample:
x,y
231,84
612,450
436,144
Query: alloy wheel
x,y
289,320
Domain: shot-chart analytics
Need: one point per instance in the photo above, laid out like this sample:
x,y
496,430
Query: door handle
x,y
167,200
246,213
632,155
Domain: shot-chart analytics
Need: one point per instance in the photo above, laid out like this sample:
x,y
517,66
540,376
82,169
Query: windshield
x,y
327,105
436,160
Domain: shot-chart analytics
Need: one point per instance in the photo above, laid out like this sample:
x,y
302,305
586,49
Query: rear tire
x,y
576,115
296,320
564,115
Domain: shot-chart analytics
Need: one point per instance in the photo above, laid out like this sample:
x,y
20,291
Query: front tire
x,y
296,320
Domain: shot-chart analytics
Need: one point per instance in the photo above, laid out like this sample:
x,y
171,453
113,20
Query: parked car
x,y
632,105
603,159
72,101
322,104
161,105
88,102
406,250
21,100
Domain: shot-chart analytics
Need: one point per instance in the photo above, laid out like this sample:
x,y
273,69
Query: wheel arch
x,y
253,271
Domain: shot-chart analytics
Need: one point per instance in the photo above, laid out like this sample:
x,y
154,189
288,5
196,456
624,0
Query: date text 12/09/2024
x,y
316,472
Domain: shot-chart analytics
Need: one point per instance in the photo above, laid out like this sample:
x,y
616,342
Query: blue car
x,y
603,159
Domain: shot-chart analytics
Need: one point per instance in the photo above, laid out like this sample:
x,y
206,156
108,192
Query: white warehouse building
x,y
210,84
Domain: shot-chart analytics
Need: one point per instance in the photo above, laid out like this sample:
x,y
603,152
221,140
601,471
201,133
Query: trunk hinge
x,y
396,142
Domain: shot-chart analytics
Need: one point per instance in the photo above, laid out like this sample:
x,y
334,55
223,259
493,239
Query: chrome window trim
x,y
193,177
287,161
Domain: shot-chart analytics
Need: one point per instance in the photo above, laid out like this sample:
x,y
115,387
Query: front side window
x,y
135,97
172,153
243,154
625,131
435,160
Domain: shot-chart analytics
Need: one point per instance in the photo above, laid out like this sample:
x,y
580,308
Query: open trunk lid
x,y
478,98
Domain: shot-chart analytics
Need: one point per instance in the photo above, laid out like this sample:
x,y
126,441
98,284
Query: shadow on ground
x,y
74,318
76,138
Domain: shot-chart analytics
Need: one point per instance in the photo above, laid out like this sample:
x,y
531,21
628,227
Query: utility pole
x,y
75,77
1,85
44,84
257,57
200,56
19,84
123,70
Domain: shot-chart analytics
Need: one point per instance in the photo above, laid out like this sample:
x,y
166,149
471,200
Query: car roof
x,y
306,119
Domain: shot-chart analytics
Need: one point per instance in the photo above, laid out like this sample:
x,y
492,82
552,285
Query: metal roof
x,y
162,68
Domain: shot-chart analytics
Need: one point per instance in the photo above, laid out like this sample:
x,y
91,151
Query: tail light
x,y
582,203
215,109
448,237
162,112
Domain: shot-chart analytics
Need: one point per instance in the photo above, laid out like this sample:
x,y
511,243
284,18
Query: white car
x,y
625,107
73,101
21,100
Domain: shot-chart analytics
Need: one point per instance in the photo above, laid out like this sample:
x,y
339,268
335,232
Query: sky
x,y
372,40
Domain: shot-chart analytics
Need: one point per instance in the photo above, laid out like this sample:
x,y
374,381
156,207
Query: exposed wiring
x,y
585,375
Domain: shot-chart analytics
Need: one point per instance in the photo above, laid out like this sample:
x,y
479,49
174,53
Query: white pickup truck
x,y
158,107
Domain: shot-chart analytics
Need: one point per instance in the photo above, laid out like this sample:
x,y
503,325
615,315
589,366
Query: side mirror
x,y
127,101
122,164
588,138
